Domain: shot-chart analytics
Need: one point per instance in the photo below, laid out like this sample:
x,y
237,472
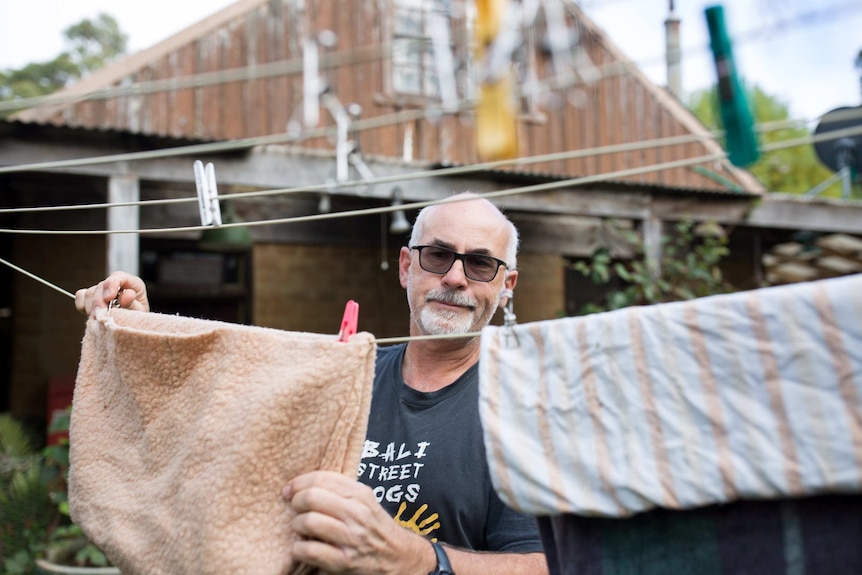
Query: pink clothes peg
x,y
349,321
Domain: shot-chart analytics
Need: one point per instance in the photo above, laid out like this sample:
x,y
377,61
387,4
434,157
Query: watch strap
x,y
443,565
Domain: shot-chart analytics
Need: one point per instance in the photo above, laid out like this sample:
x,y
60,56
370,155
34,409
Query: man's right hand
x,y
128,289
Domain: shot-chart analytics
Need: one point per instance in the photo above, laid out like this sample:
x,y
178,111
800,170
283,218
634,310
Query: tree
x,y
793,170
90,45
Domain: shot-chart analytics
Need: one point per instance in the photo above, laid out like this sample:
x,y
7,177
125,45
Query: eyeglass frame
x,y
459,256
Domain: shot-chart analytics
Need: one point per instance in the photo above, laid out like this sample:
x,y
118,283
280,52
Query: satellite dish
x,y
845,152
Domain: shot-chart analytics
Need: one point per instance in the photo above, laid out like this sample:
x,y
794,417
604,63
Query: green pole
x,y
734,111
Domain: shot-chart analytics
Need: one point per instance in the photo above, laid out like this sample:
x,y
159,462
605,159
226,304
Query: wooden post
x,y
124,249
652,230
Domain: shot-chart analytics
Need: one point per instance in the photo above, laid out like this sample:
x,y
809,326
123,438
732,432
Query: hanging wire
x,y
386,209
228,145
358,55
263,71
419,175
370,52
387,340
443,172
37,278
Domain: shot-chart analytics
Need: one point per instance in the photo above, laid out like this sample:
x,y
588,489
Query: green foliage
x,y
90,45
26,510
792,170
689,269
34,507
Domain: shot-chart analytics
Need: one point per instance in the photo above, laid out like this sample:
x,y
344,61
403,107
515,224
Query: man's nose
x,y
456,275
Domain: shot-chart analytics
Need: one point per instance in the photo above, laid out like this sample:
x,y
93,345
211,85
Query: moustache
x,y
450,297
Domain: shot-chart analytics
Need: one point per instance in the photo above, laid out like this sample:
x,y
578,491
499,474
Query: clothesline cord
x,y
418,175
387,340
361,54
37,278
444,172
619,174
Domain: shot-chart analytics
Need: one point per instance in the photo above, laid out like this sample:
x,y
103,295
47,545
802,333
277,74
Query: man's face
x,y
452,303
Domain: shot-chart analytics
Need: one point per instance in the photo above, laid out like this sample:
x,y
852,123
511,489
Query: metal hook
x,y
116,301
509,319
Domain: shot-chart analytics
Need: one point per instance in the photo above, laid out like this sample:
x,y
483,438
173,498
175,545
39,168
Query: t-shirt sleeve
x,y
509,531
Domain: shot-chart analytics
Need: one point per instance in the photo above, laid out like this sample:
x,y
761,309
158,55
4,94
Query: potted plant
x,y
36,533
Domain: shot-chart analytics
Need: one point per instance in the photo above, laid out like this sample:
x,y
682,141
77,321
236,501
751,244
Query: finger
x,y
319,554
331,503
329,480
323,527
132,291
81,300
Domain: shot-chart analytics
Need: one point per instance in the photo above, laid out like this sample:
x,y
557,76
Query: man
x,y
423,461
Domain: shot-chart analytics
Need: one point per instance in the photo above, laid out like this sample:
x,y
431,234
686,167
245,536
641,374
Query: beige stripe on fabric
x,y
555,477
603,459
642,371
712,401
772,381
832,336
493,422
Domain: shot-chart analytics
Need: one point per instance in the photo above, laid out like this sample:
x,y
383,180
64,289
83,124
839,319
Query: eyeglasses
x,y
439,260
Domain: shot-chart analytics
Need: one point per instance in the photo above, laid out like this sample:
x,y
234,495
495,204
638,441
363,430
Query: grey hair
x,y
511,255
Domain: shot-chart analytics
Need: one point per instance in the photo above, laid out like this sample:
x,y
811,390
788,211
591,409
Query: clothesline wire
x,y
263,71
365,53
502,193
837,134
386,209
611,69
223,146
37,278
387,340
418,175
445,172
357,126
331,60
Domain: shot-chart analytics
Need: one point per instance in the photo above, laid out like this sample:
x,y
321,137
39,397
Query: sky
x,y
801,51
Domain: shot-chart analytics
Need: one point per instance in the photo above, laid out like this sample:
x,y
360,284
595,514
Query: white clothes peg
x,y
208,202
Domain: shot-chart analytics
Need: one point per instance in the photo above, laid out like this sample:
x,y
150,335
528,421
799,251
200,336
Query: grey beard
x,y
438,322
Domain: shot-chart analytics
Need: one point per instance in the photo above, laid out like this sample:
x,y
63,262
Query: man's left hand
x,y
343,529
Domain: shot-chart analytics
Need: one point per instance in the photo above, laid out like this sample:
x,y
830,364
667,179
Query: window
x,y
414,71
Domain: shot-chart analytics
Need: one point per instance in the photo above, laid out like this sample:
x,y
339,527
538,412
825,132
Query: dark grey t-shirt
x,y
425,460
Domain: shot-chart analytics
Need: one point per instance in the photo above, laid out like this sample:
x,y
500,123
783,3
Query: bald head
x,y
466,208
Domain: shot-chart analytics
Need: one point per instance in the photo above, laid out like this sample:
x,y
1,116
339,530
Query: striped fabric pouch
x,y
751,395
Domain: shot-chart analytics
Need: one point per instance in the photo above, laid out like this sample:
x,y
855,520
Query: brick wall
x,y
304,288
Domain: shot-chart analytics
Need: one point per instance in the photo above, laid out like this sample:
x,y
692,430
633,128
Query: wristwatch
x,y
443,566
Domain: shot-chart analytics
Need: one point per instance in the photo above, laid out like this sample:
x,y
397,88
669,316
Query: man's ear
x,y
511,279
404,265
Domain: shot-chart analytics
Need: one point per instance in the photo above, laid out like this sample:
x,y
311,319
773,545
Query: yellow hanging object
x,y
488,16
496,125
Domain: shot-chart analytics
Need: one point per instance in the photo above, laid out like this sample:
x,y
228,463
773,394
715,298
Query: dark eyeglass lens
x,y
436,259
440,260
481,267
